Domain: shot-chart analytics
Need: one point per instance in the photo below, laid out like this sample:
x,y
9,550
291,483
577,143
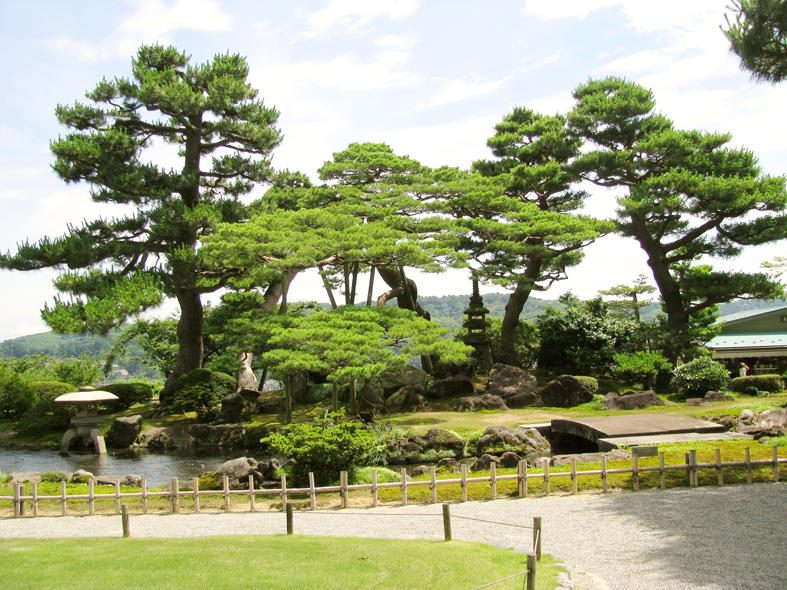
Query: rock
x,y
528,443
434,445
452,386
232,407
81,476
269,470
222,436
124,431
270,402
718,396
729,421
508,381
420,470
404,399
632,401
486,401
132,480
697,401
238,470
371,396
394,379
158,438
448,464
747,417
509,459
565,391
441,440
769,423
484,461
523,400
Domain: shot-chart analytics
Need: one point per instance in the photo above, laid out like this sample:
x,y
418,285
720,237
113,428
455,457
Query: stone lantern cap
x,y
86,396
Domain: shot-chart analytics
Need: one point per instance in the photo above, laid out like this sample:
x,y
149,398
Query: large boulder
x,y
484,461
436,444
232,407
768,423
509,459
407,398
160,438
124,431
221,436
528,443
633,401
406,376
238,470
487,401
513,383
565,391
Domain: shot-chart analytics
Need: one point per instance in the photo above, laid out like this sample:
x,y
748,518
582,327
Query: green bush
x,y
699,376
201,391
639,367
363,475
16,397
45,415
324,447
53,476
589,383
130,392
769,383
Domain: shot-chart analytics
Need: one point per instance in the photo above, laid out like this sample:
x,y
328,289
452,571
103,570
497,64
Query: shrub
x,y
54,476
699,376
324,447
589,383
44,414
363,475
201,391
130,392
769,383
16,397
639,367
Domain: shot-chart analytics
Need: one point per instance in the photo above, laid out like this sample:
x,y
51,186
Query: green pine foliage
x,y
640,367
766,383
757,34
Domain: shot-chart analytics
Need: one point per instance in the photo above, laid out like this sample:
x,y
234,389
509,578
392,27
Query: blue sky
x,y
428,77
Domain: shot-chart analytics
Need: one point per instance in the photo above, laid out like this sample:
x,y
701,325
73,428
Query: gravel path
x,y
730,538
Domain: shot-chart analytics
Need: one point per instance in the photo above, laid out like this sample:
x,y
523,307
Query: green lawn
x,y
278,562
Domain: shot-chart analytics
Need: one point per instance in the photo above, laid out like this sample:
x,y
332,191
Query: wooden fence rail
x,y
21,500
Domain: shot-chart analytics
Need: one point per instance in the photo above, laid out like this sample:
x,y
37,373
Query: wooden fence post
x,y
313,492
662,472
573,475
521,479
719,472
635,471
252,501
545,464
283,492
225,484
747,459
144,496
34,501
174,496
117,497
537,536
493,480
531,571
374,488
63,498
775,464
124,520
343,488
463,481
91,500
604,473
447,521
288,510
695,480
17,503
403,478
433,484
196,495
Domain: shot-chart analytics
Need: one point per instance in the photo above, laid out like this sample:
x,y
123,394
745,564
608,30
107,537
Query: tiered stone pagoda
x,y
476,325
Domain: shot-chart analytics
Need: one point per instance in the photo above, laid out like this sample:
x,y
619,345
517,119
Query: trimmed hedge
x,y
201,390
130,392
771,383
699,376
44,414
590,383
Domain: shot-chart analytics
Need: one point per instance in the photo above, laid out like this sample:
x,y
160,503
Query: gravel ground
x,y
730,538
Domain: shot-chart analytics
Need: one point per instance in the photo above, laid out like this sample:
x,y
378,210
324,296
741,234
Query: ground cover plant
x,y
301,562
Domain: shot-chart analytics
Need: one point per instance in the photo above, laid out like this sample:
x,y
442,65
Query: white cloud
x,y
553,9
347,15
152,21
465,88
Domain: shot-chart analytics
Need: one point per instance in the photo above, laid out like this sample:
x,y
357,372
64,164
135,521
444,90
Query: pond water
x,y
157,468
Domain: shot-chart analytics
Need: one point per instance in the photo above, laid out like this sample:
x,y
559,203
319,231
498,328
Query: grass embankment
x,y
261,562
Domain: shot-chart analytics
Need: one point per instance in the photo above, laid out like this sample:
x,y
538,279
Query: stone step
x,y
608,443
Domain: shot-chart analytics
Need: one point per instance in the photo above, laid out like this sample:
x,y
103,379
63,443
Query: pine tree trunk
x,y
190,347
516,303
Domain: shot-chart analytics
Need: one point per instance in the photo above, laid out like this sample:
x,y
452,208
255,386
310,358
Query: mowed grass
x,y
279,562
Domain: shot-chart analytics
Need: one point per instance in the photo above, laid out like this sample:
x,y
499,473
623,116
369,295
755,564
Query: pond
x,y
157,468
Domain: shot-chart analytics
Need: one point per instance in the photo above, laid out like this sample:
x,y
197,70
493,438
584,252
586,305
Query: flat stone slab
x,y
606,444
595,428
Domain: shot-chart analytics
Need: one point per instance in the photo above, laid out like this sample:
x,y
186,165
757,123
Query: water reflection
x,y
157,468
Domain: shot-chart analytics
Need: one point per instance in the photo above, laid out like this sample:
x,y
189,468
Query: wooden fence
x,y
27,504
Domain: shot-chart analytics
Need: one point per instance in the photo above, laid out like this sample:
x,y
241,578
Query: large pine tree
x,y
223,136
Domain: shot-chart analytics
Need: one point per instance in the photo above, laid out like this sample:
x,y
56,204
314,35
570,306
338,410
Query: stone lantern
x,y
84,425
476,325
